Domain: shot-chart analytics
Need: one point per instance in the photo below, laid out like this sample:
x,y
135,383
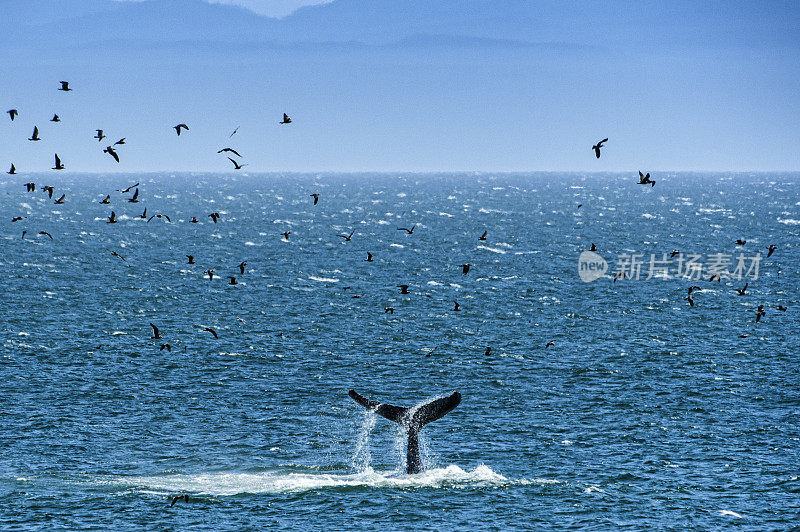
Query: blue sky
x,y
270,8
383,85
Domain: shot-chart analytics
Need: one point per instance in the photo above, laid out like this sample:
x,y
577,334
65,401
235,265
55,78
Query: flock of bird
x,y
112,151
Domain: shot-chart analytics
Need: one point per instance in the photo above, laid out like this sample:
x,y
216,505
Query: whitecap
x,y
493,250
730,513
323,279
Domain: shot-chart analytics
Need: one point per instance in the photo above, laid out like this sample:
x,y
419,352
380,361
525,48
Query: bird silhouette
x,y
135,197
742,290
388,310
483,236
286,234
106,200
156,333
464,268
231,150
169,350
31,187
409,231
45,233
179,498
741,242
210,274
113,218
179,127
781,308
99,136
286,119
125,191
16,219
55,119
112,152
645,179
214,216
593,248
120,142
349,237
403,288
369,257
59,165
144,213
236,166
597,147
316,198
35,136
60,201
760,313
12,113
159,216
49,189
116,254
191,259
212,331
771,247
64,86
242,266
13,169
457,307
233,280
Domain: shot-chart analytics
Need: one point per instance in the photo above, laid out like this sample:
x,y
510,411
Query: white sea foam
x,y
788,221
232,483
323,279
493,250
730,513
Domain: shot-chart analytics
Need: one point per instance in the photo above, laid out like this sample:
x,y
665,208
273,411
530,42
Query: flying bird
x,y
388,310
159,216
464,268
125,191
60,201
64,86
369,257
156,334
48,189
191,259
135,197
741,242
210,274
551,342
116,254
403,288
231,150
31,187
771,247
113,218
348,238
409,231
13,169
120,141
781,308
214,216
760,313
16,219
645,179
241,267
233,280
483,236
457,307
236,166
741,291
144,213
12,113
212,331
99,135
106,200
55,119
179,498
58,165
35,135
234,132
169,350
179,127
286,234
316,198
112,152
46,234
597,147
593,248
286,119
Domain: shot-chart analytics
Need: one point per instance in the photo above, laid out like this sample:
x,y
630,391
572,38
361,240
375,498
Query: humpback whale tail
x,y
412,420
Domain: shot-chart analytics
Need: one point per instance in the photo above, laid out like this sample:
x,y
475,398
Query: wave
x,y
323,279
229,483
788,221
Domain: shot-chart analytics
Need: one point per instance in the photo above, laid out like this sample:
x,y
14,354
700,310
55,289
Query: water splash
x,y
362,457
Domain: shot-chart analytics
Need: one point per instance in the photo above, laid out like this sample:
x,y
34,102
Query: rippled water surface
x,y
644,413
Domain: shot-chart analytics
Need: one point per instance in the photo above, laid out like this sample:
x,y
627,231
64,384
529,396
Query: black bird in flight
x,y
231,150
16,219
369,257
597,147
645,179
771,247
112,152
286,119
179,497
169,350
403,288
236,166
194,220
13,169
741,291
159,216
781,308
234,132
483,236
144,213
286,234
760,313
210,274
135,198
48,189
464,268
179,127
316,198
116,254
99,135
35,135
31,187
12,113
674,253
58,165
692,289
106,200
156,334
347,238
191,259
55,119
113,218
64,86
551,342
716,276
409,231
46,234
125,191
60,201
741,242
487,352
388,310
232,280
241,267
214,216
212,331
593,248
120,141
457,307
690,299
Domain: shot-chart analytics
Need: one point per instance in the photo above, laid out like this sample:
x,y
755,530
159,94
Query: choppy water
x,y
644,414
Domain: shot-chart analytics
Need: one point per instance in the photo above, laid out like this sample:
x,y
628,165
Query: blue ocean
x,y
597,402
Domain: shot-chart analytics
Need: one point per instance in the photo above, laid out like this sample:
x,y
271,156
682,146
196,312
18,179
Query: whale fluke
x,y
412,420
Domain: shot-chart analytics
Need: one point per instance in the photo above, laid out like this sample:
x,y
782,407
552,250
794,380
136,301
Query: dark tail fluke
x,y
412,420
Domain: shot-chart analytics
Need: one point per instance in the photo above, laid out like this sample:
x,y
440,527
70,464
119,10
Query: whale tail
x,y
412,420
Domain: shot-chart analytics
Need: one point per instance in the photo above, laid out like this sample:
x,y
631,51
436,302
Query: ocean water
x,y
644,413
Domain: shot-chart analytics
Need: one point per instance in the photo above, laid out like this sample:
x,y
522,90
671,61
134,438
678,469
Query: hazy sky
x,y
389,85
270,8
